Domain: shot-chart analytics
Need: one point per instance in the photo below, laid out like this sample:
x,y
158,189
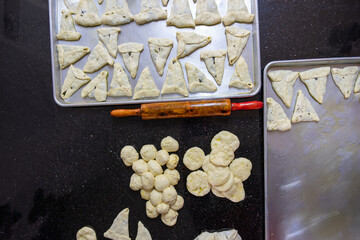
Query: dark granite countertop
x,y
60,167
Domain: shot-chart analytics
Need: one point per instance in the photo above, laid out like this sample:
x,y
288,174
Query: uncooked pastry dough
x,y
197,183
120,85
162,208
100,1
169,144
194,158
154,167
148,152
70,54
303,110
160,49
135,182
86,233
218,175
109,37
217,193
72,5
99,57
150,11
178,204
173,161
97,88
276,117
181,16
236,39
175,81
142,232
151,210
226,186
215,63
198,82
165,2
67,28
117,12
225,138
145,194
155,197
173,176
224,235
120,227
129,155
74,80
189,42
357,85
87,14
222,156
162,157
147,181
140,166
344,78
145,86
315,81
236,193
161,182
241,77
170,217
130,53
207,13
206,163
241,168
169,195
237,12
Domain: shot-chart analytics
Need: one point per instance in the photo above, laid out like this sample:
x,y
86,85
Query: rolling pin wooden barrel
x,y
188,109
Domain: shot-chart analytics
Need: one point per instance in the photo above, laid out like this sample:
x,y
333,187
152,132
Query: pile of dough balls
x,y
222,174
156,184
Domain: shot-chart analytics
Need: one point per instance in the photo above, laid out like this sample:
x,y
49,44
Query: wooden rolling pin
x,y
204,108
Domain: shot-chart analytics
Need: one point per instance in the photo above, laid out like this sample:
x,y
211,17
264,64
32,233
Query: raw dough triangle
x,y
96,88
315,81
87,14
119,230
109,37
214,61
241,77
150,11
160,49
303,110
130,53
207,13
117,12
142,232
236,39
99,57
120,85
100,1
180,15
67,28
189,42
175,81
282,82
357,85
165,2
344,78
276,117
237,12
145,86
74,80
72,5
198,81
70,54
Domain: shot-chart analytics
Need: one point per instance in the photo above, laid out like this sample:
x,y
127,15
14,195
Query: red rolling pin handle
x,y
253,105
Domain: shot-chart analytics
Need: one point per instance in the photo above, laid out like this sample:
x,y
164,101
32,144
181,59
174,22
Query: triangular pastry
x,y
67,28
119,229
241,77
175,81
165,2
303,110
189,42
145,86
117,12
207,13
100,1
198,81
109,37
87,14
72,5
74,80
276,117
130,53
99,57
236,39
181,16
315,81
142,232
70,54
282,82
344,78
237,12
160,49
120,85
215,63
96,88
357,85
150,11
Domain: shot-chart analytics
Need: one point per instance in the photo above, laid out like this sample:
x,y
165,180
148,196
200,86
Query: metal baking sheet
x,y
140,33
312,171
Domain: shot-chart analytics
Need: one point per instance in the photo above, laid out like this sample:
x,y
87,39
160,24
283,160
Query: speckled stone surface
x,y
60,167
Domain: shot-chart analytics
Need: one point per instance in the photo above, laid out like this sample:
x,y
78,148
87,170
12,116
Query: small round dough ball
x,y
173,161
145,194
140,166
169,144
161,182
225,138
148,152
206,163
129,155
147,180
222,156
173,175
217,193
169,195
155,168
162,208
162,157
151,210
170,217
194,158
86,233
178,204
241,168
197,183
155,197
135,182
218,175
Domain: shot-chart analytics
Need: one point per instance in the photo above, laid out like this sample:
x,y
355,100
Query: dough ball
x,y
206,162
155,197
170,217
241,168
178,204
169,195
225,138
161,182
140,166
194,158
162,208
147,180
148,152
155,168
145,194
86,233
222,156
218,175
197,183
173,161
169,144
173,175
162,157
135,182
129,155
151,210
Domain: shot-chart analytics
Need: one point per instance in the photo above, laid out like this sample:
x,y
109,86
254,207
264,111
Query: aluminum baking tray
x,y
312,171
140,33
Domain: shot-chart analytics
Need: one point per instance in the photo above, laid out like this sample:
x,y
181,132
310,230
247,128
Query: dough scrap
x,y
218,175
135,182
241,77
207,13
117,12
129,155
173,176
173,161
97,87
169,195
148,152
109,37
222,156
282,82
357,85
175,81
69,54
303,110
198,82
120,85
276,117
161,182
236,39
197,183
188,42
345,78
74,80
236,193
145,86
215,63
162,157
315,81
194,158
72,5
150,11
241,168
147,181
142,232
165,2
87,14
169,144
99,57
151,210
170,217
181,16
120,226
178,204
130,53
160,49
67,28
225,138
86,233
237,12
140,167
154,167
